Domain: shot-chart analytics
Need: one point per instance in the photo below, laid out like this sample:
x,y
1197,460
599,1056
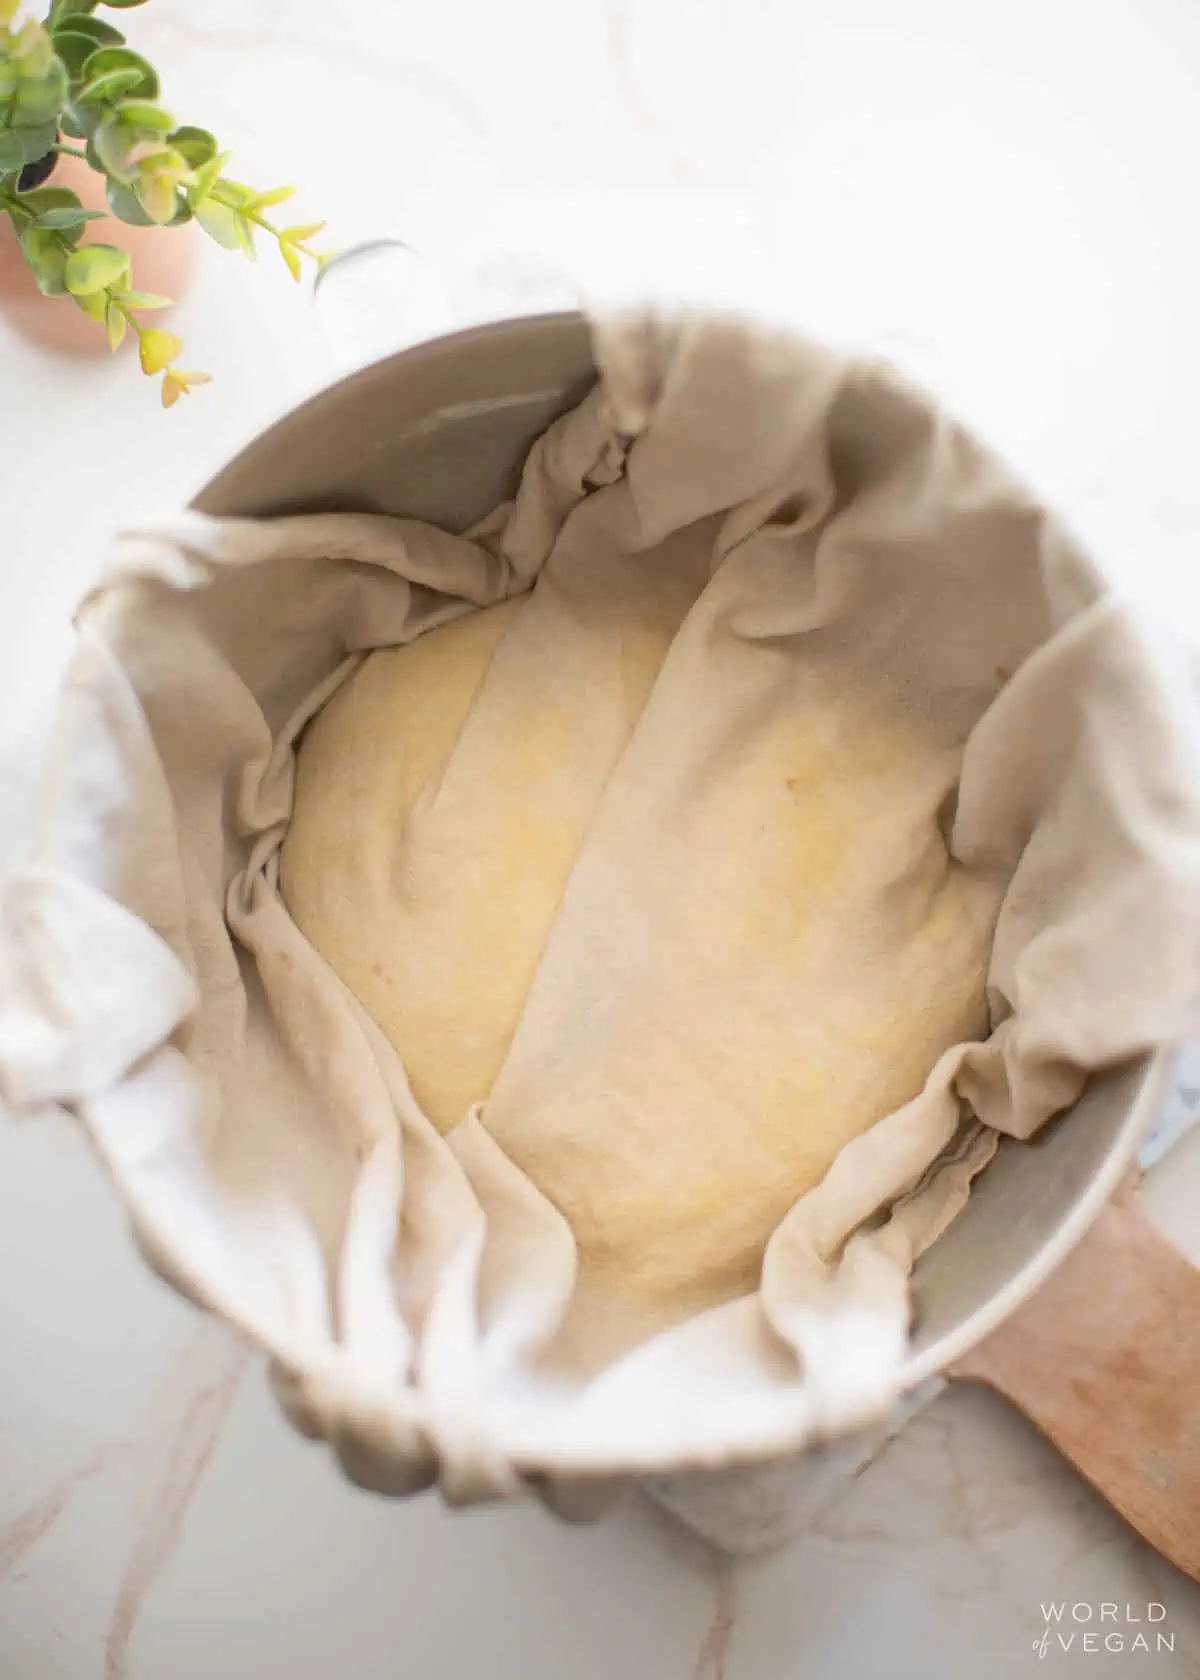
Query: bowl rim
x,y
1157,1069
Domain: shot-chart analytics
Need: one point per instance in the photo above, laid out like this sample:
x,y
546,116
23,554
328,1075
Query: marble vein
x,y
713,1656
191,1451
22,1532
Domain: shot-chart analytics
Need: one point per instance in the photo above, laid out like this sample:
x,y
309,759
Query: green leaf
x,y
125,204
196,145
74,49
109,88
158,198
268,200
37,111
30,50
143,113
91,118
112,142
40,101
122,5
233,192
114,325
11,155
95,267
207,177
47,261
79,38
33,143
219,222
62,9
56,209
34,107
69,126
145,300
54,78
96,29
46,198
62,221
108,60
94,304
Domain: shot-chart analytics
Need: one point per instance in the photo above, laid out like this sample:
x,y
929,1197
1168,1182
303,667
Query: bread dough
x,y
433,924
759,987
435,826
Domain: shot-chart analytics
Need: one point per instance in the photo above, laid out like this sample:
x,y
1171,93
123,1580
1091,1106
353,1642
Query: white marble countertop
x,y
1003,198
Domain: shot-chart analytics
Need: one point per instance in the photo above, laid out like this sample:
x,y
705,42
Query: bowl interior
x,y
438,432
1028,1208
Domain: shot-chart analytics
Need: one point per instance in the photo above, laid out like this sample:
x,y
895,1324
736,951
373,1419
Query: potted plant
x,y
93,170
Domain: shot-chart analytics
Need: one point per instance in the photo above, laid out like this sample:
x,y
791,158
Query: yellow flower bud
x,y
176,383
158,349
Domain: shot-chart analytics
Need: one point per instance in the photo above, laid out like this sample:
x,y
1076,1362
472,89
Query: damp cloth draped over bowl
x,y
544,985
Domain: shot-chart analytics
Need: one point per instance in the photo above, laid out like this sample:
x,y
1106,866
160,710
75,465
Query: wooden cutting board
x,y
1105,1360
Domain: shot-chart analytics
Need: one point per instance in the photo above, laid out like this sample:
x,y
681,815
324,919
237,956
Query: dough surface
x,y
762,952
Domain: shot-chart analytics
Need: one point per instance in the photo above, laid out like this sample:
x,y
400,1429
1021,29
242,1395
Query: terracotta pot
x,y
164,260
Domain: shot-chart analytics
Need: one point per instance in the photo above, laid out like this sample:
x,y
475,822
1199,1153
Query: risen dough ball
x,y
763,951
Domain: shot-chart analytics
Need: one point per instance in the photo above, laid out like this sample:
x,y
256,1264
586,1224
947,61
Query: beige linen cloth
x,y
800,813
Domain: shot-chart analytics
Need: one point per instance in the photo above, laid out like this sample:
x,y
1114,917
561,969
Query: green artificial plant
x,y
71,77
